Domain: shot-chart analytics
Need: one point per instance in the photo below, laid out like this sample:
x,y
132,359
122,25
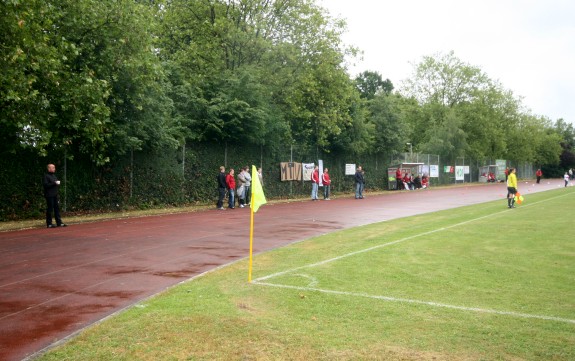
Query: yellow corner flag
x,y
258,198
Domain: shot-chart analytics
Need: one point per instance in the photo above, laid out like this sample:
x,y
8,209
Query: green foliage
x,y
446,80
256,66
391,130
448,140
94,82
82,76
485,121
370,83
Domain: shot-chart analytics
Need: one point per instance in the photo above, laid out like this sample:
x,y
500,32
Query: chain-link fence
x,y
188,176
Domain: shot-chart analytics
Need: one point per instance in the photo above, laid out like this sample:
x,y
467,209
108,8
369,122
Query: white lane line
x,y
426,303
259,280
400,240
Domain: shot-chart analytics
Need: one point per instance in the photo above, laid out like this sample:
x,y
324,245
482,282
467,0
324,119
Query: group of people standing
x,y
359,178
315,182
227,185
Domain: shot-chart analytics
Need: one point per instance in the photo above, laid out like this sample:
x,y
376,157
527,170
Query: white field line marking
x,y
426,303
365,250
312,280
258,281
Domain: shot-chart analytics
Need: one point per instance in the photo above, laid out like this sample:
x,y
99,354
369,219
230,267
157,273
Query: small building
x,y
488,174
411,168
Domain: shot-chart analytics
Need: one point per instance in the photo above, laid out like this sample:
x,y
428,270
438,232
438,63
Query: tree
x,y
370,84
88,79
444,79
488,120
391,130
448,139
241,61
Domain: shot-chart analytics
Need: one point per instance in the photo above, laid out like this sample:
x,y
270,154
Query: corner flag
x,y
258,198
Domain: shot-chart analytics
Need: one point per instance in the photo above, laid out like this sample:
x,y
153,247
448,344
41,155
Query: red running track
x,y
55,282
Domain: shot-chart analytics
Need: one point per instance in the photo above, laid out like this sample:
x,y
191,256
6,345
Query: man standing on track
x,y
538,174
511,188
231,185
359,183
326,184
51,184
221,188
315,183
248,185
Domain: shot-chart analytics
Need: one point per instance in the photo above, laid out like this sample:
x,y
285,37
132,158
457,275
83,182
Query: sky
x,y
527,45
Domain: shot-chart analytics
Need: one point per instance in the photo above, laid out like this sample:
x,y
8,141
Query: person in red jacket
x,y
538,174
407,182
231,184
398,180
326,184
424,181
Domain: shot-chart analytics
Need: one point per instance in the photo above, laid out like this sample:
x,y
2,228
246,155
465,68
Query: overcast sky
x,y
528,45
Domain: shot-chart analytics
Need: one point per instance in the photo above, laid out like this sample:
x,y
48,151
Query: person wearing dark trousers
x,y
538,174
231,184
326,181
248,185
221,188
51,185
359,183
511,188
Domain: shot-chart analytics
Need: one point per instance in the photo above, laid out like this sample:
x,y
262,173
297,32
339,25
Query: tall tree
x,y
448,139
444,79
87,75
286,55
371,83
391,129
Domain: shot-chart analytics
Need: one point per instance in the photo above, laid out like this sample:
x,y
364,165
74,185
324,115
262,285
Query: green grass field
x,y
475,283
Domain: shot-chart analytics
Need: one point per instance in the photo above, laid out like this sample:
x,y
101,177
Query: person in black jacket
x,y
51,185
222,185
359,183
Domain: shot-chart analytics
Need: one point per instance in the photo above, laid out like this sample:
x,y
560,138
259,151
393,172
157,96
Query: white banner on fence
x,y
434,171
350,169
307,171
459,173
320,163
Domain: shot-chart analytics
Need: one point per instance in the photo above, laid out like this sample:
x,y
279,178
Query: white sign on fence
x,y
459,173
349,169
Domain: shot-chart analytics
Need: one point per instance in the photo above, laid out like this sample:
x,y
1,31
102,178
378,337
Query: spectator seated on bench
x,y
417,182
424,181
407,182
